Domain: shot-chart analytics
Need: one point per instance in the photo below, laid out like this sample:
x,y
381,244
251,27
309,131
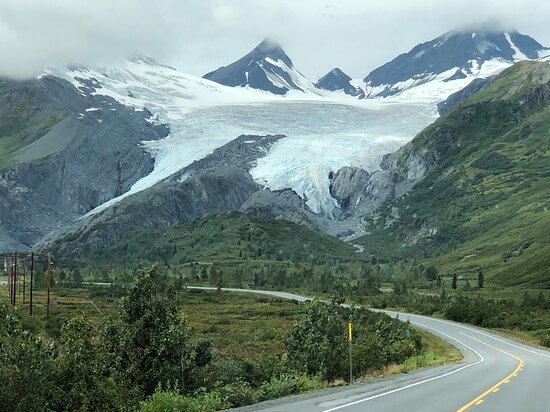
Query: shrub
x,y
172,401
236,394
277,387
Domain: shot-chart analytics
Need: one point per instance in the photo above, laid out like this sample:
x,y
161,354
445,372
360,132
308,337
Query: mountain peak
x,y
269,44
336,80
269,48
267,67
461,52
338,72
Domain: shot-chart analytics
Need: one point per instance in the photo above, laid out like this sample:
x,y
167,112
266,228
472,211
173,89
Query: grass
x,y
27,134
238,324
226,237
485,204
438,352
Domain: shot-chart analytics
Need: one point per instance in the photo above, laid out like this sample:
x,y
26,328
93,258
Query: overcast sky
x,y
197,36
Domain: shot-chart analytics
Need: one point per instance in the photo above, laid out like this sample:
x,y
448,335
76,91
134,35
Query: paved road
x,y
497,374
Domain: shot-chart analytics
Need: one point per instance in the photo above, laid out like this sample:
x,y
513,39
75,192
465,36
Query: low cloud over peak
x,y
197,37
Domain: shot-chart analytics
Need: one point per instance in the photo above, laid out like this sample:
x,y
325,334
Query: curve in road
x,y
497,374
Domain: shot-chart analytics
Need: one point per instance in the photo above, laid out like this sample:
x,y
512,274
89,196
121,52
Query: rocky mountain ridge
x,y
267,67
481,202
71,153
454,55
336,80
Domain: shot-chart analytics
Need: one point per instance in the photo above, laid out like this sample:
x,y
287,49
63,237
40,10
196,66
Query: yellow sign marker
x,y
349,331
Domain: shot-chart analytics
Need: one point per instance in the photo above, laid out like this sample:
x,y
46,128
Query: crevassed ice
x,y
325,130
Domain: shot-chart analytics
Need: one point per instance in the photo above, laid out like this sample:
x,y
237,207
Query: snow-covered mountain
x,y
321,136
323,131
454,58
176,120
336,80
266,67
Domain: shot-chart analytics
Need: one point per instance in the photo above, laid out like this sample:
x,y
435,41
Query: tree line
x,y
146,357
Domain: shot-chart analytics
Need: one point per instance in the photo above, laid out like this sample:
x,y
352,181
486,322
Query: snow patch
x,y
518,55
484,45
436,87
325,130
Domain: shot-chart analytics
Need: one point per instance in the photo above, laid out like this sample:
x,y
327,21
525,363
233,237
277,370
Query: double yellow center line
x,y
478,400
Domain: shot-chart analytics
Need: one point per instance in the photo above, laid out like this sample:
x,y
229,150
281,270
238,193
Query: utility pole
x,y
14,278
9,272
49,282
32,273
24,280
350,353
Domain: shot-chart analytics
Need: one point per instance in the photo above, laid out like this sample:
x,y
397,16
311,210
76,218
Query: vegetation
x,y
233,249
21,120
226,237
530,313
484,206
147,354
468,238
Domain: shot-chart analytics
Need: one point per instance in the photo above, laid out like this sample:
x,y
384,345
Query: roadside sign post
x,y
350,337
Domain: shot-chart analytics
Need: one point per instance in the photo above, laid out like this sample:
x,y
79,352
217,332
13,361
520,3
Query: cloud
x,y
35,33
199,36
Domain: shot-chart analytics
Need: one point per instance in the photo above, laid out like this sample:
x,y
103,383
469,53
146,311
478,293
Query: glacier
x,y
325,130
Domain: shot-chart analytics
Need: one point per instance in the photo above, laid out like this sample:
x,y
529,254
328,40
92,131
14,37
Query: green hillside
x,y
226,237
486,203
23,118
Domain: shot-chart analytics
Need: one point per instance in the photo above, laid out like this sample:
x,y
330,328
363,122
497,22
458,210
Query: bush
x,y
545,340
172,401
236,394
277,388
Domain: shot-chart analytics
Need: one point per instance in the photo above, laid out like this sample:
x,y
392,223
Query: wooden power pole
x,y
14,293
8,273
32,273
49,282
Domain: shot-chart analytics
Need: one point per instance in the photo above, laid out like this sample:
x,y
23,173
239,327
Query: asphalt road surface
x,y
498,374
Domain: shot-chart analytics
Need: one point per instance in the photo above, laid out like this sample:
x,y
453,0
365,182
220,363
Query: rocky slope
x,y
66,153
481,201
336,80
217,183
266,67
452,56
458,97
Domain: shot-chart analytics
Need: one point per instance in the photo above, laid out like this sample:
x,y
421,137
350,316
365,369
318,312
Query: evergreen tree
x,y
453,282
431,273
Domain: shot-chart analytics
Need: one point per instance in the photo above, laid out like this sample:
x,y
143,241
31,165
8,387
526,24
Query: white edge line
x,y
510,343
481,359
278,294
298,297
458,324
